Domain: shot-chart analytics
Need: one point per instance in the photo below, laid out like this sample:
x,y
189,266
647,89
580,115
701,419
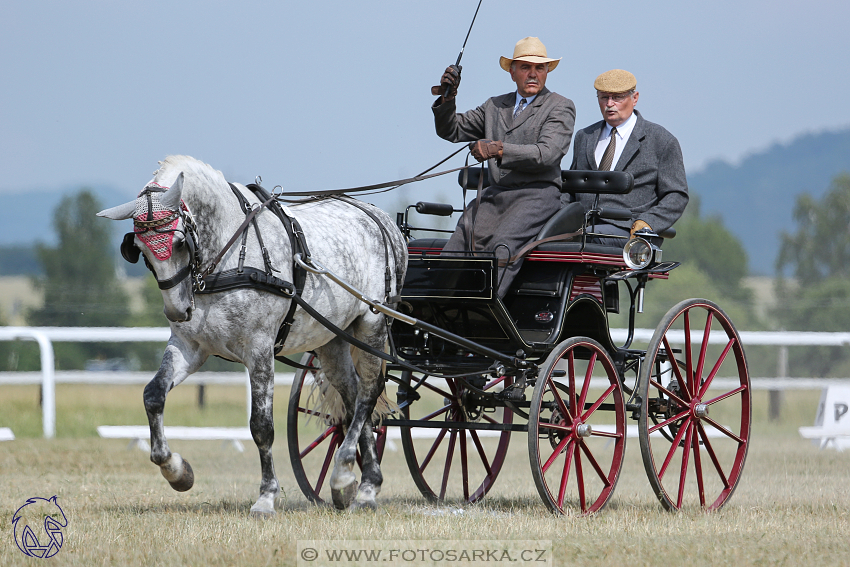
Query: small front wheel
x,y
577,427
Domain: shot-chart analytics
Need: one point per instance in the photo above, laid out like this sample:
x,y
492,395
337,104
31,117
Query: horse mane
x,y
203,175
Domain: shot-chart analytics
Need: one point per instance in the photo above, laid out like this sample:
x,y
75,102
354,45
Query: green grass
x,y
792,506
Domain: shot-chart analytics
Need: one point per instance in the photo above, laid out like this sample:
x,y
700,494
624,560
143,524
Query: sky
x,y
335,94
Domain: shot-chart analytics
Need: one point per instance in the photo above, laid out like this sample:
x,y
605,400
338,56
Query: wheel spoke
x,y
556,426
448,467
580,479
481,453
697,377
595,465
438,390
440,436
670,394
432,415
698,469
562,490
668,421
729,394
723,430
309,448
561,405
558,450
683,474
712,455
572,380
598,402
586,386
464,472
314,413
335,441
716,368
606,434
689,363
495,382
673,447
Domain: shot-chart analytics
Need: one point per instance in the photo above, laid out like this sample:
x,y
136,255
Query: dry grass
x,y
792,506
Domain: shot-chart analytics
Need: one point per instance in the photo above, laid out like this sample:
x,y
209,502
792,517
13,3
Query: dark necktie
x,y
608,156
520,107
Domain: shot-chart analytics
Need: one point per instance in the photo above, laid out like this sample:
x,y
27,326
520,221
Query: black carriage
x,y
476,368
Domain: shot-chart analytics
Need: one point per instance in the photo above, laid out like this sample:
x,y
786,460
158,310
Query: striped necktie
x,y
520,107
608,156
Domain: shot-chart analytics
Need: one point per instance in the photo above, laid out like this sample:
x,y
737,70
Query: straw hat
x,y
529,49
615,81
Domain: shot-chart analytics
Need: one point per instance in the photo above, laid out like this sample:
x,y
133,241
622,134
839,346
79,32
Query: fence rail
x,y
48,377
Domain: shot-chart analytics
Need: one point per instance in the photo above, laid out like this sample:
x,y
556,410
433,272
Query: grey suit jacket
x,y
534,143
653,156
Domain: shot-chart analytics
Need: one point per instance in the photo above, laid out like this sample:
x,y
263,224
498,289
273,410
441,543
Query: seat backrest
x,y
597,182
473,174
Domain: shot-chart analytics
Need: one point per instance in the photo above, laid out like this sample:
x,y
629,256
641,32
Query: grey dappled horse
x,y
241,324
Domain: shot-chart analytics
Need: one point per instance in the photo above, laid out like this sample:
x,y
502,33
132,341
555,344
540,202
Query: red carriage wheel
x,y
696,407
449,462
577,427
313,437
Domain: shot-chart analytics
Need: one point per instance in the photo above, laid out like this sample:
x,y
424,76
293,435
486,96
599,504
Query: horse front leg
x,y
262,430
173,370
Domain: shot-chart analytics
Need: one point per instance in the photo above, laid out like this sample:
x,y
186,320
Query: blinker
x,y
129,250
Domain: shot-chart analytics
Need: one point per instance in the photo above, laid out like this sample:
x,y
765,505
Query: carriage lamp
x,y
639,252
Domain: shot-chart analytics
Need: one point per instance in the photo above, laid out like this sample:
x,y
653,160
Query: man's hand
x,y
485,149
638,225
449,83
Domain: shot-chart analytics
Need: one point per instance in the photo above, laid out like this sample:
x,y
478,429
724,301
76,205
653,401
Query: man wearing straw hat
x,y
522,135
624,141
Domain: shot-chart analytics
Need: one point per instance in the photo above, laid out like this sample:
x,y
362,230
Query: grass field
x,y
792,506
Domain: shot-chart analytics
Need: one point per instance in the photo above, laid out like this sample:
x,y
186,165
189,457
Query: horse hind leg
x,y
176,470
370,390
262,430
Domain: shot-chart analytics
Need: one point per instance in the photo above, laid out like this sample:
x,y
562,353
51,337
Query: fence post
x,y
774,408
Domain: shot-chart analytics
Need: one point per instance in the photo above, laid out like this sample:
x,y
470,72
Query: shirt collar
x,y
519,97
623,130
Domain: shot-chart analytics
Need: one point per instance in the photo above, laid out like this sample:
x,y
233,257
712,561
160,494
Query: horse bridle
x,y
130,252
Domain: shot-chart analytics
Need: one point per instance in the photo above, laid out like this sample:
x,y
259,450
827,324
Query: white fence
x,y
48,377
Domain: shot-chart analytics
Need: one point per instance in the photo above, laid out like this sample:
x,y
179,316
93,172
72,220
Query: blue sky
x,y
322,95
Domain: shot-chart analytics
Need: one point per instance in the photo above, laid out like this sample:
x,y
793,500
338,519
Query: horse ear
x,y
171,198
121,212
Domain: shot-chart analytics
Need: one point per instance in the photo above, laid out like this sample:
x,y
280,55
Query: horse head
x,y
164,234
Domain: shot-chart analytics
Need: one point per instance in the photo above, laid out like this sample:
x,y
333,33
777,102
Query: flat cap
x,y
615,81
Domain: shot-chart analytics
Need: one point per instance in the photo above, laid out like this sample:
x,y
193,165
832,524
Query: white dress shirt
x,y
624,130
519,97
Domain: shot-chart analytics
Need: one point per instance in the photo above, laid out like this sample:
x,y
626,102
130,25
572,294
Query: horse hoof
x,y
359,504
186,480
365,499
259,514
343,497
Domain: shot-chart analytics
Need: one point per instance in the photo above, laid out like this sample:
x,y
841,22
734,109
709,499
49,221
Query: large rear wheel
x,y
313,435
577,427
696,407
445,460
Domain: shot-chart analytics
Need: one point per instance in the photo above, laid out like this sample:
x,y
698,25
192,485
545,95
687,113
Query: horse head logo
x,y
41,513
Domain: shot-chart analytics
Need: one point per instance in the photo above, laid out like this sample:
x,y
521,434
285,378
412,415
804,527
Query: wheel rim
x,y
577,428
696,414
311,436
448,462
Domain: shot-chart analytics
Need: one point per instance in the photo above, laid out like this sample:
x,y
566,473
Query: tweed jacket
x,y
533,144
653,156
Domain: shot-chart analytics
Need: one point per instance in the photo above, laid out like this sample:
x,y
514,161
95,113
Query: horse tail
x,y
324,397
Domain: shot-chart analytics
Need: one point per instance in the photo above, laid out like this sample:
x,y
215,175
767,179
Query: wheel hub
x,y
584,430
701,410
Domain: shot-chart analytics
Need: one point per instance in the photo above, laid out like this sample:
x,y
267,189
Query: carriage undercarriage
x,y
557,376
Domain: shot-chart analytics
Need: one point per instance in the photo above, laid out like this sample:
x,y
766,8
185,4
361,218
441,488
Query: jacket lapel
x,y
633,145
530,110
506,112
590,141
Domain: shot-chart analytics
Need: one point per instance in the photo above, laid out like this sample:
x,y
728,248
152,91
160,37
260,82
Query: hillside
x,y
756,197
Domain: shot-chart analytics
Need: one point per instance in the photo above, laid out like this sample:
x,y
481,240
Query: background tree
x,y
80,285
818,299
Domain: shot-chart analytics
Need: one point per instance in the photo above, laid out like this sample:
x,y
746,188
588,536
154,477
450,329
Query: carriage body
x,y
574,388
